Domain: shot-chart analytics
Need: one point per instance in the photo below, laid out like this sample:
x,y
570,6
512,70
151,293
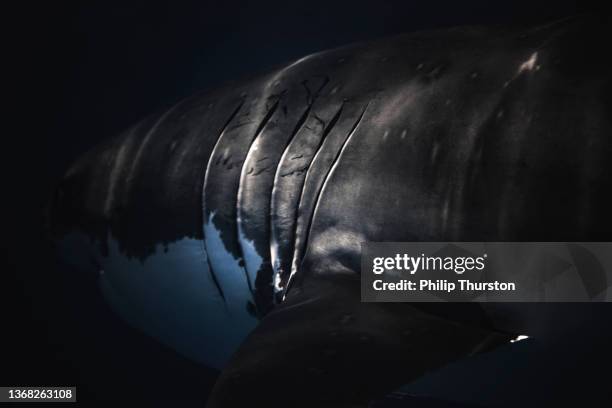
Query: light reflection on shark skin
x,y
252,258
170,295
230,274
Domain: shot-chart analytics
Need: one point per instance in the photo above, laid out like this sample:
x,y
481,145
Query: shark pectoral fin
x,y
324,347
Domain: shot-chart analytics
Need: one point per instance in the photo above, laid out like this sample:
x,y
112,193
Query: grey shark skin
x,y
229,226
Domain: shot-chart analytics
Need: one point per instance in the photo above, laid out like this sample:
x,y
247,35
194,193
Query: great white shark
x,y
229,226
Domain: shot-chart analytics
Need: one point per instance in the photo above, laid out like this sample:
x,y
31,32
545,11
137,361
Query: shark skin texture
x,y
229,226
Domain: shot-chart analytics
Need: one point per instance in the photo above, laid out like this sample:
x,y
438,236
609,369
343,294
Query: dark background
x,y
92,68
